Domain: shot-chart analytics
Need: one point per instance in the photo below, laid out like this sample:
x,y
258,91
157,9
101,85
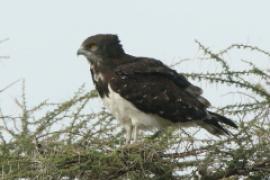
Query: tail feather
x,y
223,119
212,124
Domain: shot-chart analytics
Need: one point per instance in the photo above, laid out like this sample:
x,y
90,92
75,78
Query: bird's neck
x,y
101,76
102,73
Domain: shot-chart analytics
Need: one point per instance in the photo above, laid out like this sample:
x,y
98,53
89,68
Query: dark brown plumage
x,y
151,92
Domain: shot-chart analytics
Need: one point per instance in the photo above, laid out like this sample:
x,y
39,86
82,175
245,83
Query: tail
x,y
213,124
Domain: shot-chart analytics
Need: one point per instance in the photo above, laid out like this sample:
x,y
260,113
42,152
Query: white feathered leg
x,y
129,130
135,133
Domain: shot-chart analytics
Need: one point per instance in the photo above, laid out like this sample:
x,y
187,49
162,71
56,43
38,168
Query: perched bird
x,y
144,93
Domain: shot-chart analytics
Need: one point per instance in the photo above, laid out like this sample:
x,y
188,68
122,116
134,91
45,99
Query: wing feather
x,y
155,88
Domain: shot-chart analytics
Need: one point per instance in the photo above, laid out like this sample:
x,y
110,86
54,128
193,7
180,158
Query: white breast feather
x,y
127,114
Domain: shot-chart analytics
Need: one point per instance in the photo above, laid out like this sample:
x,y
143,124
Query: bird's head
x,y
99,48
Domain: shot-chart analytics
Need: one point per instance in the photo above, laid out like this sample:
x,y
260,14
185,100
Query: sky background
x,y
45,35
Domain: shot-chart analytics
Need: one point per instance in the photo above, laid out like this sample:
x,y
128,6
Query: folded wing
x,y
155,88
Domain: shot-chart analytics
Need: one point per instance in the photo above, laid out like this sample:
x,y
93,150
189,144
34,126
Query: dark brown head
x,y
100,47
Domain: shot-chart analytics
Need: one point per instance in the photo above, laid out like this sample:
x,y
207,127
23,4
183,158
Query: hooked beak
x,y
85,53
81,51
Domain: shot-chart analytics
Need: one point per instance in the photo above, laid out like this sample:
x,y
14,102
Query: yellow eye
x,y
92,47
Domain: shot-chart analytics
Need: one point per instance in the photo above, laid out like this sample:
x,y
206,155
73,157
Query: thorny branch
x,y
57,140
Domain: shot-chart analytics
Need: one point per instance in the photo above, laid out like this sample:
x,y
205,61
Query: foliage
x,y
66,141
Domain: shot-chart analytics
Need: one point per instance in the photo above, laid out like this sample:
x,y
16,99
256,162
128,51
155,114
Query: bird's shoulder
x,y
142,65
145,67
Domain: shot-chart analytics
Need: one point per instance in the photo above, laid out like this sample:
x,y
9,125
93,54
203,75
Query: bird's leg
x,y
135,133
129,130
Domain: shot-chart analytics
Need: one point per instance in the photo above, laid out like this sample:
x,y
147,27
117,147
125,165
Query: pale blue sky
x,y
45,35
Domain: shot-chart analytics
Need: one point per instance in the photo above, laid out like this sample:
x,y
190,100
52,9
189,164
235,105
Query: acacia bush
x,y
67,141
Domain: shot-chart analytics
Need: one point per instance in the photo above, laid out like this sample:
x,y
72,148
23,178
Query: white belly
x,y
127,114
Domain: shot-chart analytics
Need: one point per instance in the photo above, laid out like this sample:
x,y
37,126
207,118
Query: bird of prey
x,y
144,93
